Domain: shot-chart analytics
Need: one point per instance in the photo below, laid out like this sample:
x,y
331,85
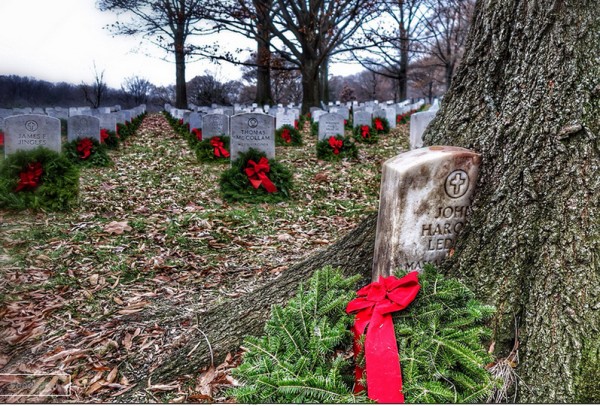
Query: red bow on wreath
x,y
296,124
374,307
219,149
1,139
30,177
103,135
335,144
285,134
378,124
198,133
256,173
364,131
84,148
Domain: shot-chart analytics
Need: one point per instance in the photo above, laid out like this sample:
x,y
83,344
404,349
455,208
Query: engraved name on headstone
x,y
425,199
252,130
330,124
29,131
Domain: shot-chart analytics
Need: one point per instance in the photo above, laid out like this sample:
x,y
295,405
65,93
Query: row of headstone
x,y
29,131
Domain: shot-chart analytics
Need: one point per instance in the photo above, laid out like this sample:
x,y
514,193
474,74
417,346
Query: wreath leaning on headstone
x,y
304,355
213,149
254,178
336,148
365,134
87,152
381,125
287,135
39,179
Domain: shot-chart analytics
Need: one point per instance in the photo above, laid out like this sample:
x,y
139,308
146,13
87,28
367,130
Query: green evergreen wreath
x,y
384,123
205,151
97,158
235,185
298,360
112,141
371,138
440,342
327,153
295,137
57,185
314,128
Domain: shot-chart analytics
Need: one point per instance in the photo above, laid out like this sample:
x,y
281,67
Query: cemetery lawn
x,y
152,233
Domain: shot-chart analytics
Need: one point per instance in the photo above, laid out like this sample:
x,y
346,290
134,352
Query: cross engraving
x,y
457,184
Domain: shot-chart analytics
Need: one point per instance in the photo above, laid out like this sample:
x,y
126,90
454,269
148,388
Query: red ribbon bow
x,y
374,307
378,124
30,177
296,124
285,134
256,173
103,135
335,144
84,148
1,139
198,133
219,149
364,131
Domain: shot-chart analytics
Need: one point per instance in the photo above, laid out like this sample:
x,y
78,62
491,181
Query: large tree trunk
x,y
227,324
310,85
181,101
263,53
527,97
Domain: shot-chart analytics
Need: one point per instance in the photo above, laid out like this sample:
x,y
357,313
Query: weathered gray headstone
x,y
195,121
330,124
390,115
83,127
362,118
425,198
252,130
29,131
108,122
215,125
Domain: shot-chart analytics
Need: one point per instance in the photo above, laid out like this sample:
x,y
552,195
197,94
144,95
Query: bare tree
x,y
137,89
95,92
168,24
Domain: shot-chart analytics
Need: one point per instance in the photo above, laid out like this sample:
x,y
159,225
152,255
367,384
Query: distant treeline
x,y
19,91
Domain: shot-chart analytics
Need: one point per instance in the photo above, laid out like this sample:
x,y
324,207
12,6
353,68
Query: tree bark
x,y
181,101
310,85
263,53
226,324
527,97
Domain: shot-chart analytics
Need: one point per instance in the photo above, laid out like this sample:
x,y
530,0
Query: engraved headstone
x,y
425,198
29,131
362,118
330,124
215,125
252,130
83,127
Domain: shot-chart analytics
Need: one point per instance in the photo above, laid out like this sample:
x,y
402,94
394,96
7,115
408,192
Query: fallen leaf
x,y
110,378
117,227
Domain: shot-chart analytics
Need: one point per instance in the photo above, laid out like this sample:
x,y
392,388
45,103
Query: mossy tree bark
x,y
527,97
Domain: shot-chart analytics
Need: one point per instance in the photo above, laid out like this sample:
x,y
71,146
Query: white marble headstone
x,y
29,131
252,130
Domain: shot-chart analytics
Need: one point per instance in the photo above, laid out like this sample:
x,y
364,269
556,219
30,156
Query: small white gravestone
x,y
418,125
83,127
108,122
362,118
252,130
283,118
330,124
425,198
195,121
29,131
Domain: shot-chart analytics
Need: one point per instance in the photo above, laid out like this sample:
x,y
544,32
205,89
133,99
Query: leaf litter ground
x,y
149,233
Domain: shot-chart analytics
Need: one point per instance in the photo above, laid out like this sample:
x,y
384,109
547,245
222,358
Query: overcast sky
x,y
60,40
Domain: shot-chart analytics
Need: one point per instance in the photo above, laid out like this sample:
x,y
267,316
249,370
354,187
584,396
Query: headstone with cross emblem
x,y
425,199
252,130
29,131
